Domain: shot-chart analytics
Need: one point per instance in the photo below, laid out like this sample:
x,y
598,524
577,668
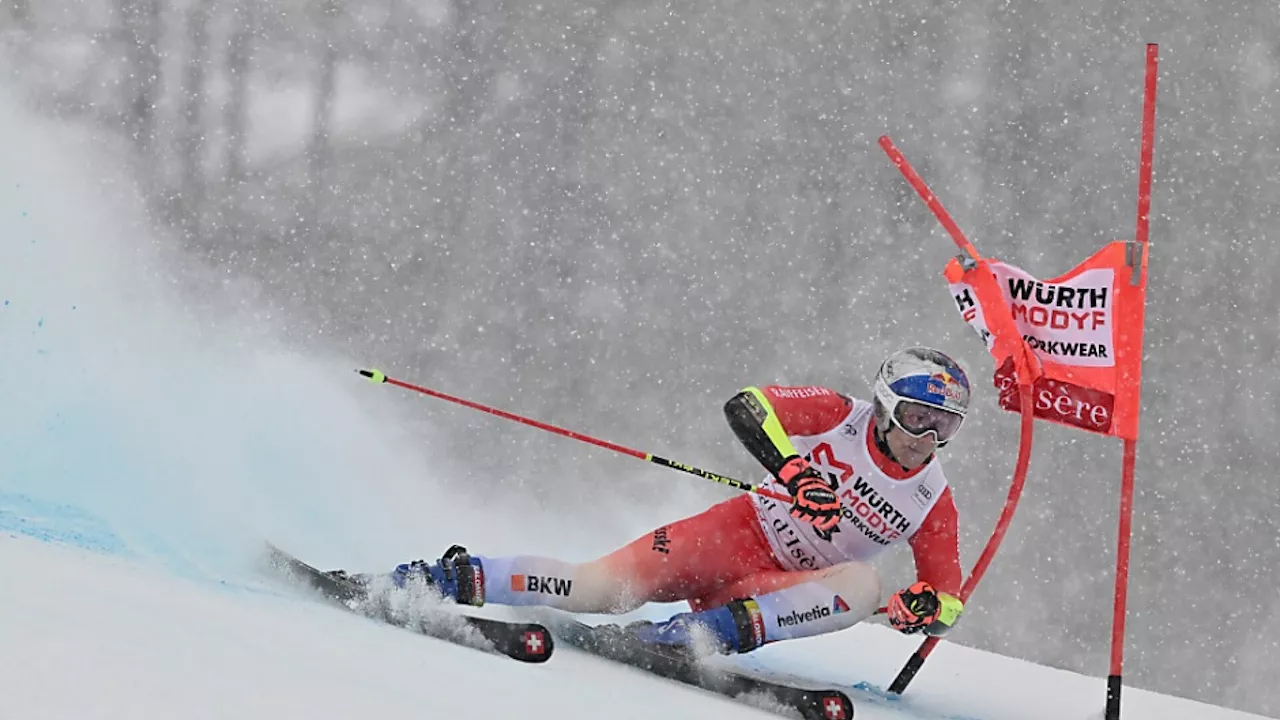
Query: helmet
x,y
921,390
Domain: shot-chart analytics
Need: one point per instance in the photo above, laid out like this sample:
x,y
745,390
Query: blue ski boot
x,y
736,627
457,576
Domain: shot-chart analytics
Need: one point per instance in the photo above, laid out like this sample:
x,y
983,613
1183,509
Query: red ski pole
x,y
377,376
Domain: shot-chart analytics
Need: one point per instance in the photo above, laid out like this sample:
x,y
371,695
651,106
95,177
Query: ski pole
x,y
377,376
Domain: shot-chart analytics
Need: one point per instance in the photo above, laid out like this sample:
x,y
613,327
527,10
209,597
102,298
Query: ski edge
x,y
809,703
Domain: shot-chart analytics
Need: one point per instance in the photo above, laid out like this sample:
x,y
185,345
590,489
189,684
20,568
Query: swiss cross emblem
x,y
534,642
833,709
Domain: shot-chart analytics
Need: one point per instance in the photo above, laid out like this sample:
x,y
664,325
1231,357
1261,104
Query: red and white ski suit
x,y
750,545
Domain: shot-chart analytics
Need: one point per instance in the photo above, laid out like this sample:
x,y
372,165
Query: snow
x,y
99,637
151,438
87,634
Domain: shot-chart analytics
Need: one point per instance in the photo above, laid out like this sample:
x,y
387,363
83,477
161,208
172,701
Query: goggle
x,y
917,420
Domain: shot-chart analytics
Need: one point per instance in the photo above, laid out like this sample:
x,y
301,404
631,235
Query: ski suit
x,y
805,581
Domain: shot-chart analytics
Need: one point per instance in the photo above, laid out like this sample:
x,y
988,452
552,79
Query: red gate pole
x,y
916,661
1131,446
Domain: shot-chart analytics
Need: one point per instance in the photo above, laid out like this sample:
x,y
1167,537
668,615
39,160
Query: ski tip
x,y
270,551
374,375
276,559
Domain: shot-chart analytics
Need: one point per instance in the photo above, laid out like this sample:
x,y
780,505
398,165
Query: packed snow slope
x,y
153,432
85,634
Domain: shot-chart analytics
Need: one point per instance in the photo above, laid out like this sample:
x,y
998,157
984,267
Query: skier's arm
x,y
764,418
936,547
763,421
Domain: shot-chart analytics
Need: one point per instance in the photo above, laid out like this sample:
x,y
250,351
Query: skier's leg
x,y
856,583
813,602
771,606
688,558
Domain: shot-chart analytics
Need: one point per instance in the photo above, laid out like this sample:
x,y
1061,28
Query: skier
x,y
754,570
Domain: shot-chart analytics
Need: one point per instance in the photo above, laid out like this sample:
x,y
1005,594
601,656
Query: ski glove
x,y
814,500
920,607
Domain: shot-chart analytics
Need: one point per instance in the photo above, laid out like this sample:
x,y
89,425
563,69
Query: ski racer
x,y
863,476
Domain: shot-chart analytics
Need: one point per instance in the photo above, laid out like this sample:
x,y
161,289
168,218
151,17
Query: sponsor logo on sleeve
x,y
662,540
799,618
544,584
800,393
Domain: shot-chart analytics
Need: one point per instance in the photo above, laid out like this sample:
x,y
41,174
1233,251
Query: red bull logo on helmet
x,y
946,385
949,390
926,376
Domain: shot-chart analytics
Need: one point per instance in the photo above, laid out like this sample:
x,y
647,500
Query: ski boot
x,y
457,576
346,577
736,627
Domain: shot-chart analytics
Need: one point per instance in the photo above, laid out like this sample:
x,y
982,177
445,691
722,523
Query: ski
x,y
811,704
527,642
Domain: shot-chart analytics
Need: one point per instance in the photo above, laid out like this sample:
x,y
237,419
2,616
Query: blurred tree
x,y
319,153
190,205
473,57
20,12
141,29
237,71
558,238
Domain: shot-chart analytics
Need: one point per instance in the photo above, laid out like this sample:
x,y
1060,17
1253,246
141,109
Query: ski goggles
x,y
917,419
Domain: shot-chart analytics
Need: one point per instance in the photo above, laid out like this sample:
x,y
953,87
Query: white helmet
x,y
921,390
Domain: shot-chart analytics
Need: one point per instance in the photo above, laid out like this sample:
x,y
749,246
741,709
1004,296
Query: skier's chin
x,y
912,459
910,453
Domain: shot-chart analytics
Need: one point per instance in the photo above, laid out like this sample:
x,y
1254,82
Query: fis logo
x,y
839,606
798,618
541,584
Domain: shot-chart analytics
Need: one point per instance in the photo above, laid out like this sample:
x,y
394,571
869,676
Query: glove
x,y
814,501
920,607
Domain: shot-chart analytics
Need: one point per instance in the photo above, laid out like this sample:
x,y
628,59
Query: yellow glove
x,y
949,610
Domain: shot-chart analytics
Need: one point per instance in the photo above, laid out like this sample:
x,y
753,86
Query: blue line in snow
x,y
58,522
